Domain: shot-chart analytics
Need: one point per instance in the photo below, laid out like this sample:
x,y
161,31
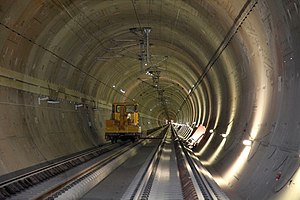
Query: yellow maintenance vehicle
x,y
124,123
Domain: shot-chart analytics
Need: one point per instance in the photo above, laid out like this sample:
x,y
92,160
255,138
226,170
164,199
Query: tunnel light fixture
x,y
78,106
42,99
49,101
149,73
224,135
123,91
211,130
151,109
53,102
114,86
247,142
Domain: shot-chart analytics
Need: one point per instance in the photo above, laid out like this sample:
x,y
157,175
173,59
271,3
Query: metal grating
x,y
166,183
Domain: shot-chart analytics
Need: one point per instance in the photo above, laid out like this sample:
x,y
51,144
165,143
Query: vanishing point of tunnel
x,y
230,65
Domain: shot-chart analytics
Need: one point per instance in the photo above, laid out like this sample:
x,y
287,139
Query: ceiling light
x,y
223,135
42,99
211,130
78,106
52,102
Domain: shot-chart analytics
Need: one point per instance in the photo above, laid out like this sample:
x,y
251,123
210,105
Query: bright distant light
x,y
123,91
114,86
224,135
247,142
211,130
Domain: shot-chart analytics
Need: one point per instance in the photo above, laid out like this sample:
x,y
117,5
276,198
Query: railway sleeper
x,y
77,161
42,176
45,175
65,167
49,172
33,180
53,171
72,163
24,183
2,196
4,192
10,189
19,186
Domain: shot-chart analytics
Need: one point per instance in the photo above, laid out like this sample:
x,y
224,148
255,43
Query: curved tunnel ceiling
x,y
93,43
221,63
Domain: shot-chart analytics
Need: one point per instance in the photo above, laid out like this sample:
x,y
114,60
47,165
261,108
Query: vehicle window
x,y
130,108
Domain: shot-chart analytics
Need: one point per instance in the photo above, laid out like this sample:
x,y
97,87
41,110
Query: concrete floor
x,y
115,185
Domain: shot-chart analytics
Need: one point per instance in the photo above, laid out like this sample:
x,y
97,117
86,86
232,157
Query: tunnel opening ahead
x,y
230,66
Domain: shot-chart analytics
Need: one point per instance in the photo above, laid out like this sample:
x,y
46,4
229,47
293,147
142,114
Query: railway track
x,y
47,182
172,172
169,172
14,187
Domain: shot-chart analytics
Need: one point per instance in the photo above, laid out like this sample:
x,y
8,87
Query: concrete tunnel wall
x,y
252,92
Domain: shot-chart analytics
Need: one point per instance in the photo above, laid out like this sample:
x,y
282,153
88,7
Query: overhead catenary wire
x,y
241,17
106,49
136,15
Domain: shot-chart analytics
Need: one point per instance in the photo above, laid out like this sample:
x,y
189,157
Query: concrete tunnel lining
x,y
56,48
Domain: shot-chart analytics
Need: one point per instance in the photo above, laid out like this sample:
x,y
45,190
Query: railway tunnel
x,y
232,66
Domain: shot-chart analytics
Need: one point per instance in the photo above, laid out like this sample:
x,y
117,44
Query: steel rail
x,y
209,188
20,183
81,183
58,189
